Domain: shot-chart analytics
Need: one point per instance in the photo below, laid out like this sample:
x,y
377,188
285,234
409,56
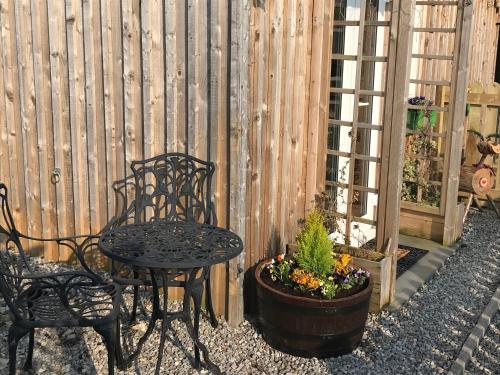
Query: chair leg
x,y
16,333
28,364
136,297
197,294
208,301
108,333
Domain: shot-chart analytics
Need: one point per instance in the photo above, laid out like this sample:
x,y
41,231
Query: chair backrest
x,y
13,259
173,186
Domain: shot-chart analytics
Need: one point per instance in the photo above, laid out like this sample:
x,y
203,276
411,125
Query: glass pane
x,y
347,10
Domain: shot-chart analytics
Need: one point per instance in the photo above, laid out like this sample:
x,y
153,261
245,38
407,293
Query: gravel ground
x,y
424,337
486,359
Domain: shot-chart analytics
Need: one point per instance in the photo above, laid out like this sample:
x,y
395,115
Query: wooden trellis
x,y
364,151
433,152
382,93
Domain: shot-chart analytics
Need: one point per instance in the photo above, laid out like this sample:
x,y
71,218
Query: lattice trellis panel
x,y
362,74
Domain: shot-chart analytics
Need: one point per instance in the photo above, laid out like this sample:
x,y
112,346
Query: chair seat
x,y
79,305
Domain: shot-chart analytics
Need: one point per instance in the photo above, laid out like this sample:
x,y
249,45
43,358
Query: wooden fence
x,y
89,86
482,54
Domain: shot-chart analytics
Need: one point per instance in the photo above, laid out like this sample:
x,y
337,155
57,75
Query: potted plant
x,y
417,118
314,303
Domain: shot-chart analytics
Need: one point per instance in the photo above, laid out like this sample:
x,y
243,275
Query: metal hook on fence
x,y
56,175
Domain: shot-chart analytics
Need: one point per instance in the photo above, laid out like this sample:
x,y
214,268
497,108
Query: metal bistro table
x,y
168,249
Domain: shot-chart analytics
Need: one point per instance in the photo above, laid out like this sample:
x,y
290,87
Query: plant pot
x,y
309,327
415,118
380,268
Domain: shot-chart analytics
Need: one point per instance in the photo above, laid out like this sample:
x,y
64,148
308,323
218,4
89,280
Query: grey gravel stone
x,y
423,337
486,359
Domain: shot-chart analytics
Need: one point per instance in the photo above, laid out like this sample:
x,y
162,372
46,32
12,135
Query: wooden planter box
x,y
427,222
380,271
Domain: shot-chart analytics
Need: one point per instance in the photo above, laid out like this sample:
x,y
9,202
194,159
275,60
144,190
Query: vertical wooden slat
x,y
113,99
28,121
42,66
60,115
392,88
4,132
197,78
458,97
296,193
309,26
324,96
77,111
172,19
221,194
182,72
257,79
238,123
354,129
132,81
272,137
315,85
266,245
153,78
286,100
405,13
13,115
95,115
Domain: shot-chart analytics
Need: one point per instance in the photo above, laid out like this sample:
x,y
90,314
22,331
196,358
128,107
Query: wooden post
x,y
394,132
238,126
458,97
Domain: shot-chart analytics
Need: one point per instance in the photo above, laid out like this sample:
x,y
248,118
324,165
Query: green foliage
x,y
315,249
417,171
280,270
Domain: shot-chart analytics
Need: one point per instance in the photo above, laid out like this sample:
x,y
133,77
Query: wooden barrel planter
x,y
309,327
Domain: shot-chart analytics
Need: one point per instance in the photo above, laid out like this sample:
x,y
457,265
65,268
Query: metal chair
x,y
79,298
175,187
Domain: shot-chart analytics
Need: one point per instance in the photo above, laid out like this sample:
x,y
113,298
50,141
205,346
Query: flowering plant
x,y
316,269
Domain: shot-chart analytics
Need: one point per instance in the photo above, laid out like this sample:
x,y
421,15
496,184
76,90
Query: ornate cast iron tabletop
x,y
169,244
162,246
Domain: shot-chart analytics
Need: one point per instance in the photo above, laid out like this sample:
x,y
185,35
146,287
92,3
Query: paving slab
x,y
412,279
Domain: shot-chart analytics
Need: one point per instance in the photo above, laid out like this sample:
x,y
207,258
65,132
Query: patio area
x,y
288,169
424,336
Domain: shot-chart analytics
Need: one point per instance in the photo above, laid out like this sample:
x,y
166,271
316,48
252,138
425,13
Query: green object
x,y
315,249
415,119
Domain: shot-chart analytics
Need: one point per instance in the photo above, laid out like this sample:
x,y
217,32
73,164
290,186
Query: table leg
x,y
122,362
186,316
164,324
197,294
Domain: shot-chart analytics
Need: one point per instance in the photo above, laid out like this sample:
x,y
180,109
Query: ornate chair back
x,y
173,186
